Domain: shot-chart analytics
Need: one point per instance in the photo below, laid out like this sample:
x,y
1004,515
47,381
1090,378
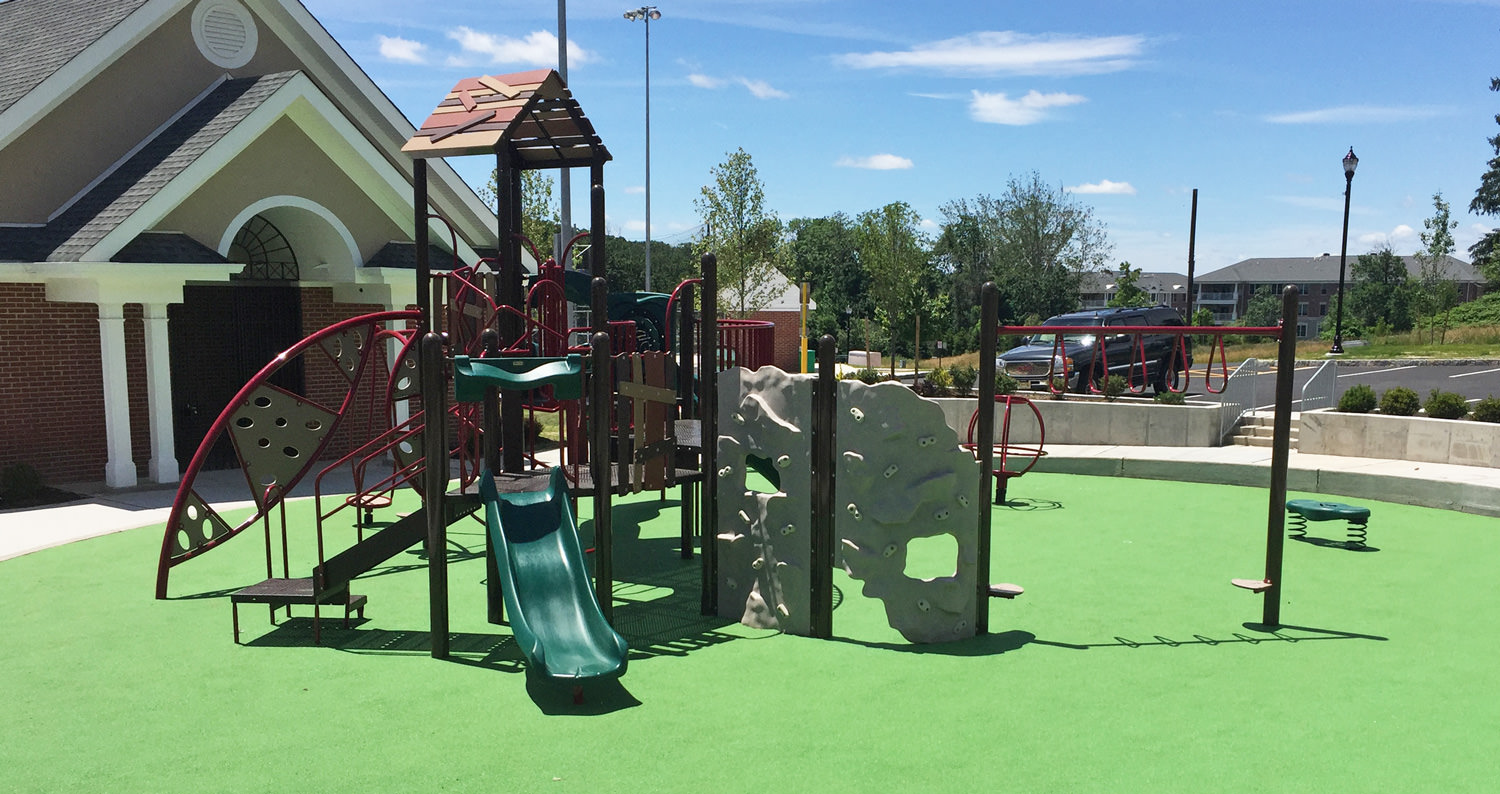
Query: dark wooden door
x,y
219,337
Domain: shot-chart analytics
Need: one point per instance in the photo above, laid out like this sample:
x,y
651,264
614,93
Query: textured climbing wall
x,y
764,542
901,475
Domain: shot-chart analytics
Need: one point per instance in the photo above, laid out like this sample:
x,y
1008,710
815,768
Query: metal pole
x,y
648,152
1338,317
1192,246
989,320
1286,361
565,200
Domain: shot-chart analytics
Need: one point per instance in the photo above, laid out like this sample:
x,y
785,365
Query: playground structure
x,y
865,469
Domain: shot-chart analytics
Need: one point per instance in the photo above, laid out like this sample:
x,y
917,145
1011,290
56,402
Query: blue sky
x,y
846,106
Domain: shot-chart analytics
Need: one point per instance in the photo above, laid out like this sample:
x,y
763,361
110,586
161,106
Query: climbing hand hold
x,y
941,515
783,461
923,605
890,471
859,416
788,529
854,510
927,441
889,551
963,500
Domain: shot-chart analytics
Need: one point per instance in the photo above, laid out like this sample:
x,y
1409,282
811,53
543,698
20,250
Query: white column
x,y
119,469
159,395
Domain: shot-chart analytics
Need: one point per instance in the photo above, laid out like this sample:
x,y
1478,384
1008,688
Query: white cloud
x,y
876,162
929,224
1399,239
539,48
1008,52
1029,109
704,81
1356,114
635,189
762,89
395,48
1104,187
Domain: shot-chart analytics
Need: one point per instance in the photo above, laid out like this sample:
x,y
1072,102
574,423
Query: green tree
x,y
742,233
1127,292
1486,201
1263,310
1034,241
895,255
1382,290
626,268
1439,290
825,252
540,215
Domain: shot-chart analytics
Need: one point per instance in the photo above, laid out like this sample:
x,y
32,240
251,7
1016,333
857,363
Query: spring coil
x,y
1297,526
1356,537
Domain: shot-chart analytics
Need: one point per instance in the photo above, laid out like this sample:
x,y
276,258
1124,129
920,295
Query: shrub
x,y
1059,390
1400,401
1359,399
19,482
1171,398
940,381
868,375
1487,410
1113,387
1446,405
963,377
1005,384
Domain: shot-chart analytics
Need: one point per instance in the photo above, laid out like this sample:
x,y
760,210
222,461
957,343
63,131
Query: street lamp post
x,y
646,14
1350,161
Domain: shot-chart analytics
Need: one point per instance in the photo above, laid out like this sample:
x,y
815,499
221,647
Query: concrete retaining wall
x,y
1083,421
1418,438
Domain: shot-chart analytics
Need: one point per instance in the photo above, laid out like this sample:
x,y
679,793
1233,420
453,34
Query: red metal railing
x,y
1061,364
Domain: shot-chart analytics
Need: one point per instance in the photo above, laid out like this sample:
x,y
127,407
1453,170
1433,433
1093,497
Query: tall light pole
x,y
647,13
1350,161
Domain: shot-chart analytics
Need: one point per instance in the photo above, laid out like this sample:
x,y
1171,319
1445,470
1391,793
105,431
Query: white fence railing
x,y
1238,397
1318,391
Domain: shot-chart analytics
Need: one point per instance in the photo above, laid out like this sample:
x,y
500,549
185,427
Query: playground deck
x,y
1127,665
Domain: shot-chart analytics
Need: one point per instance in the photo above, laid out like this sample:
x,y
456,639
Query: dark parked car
x,y
1034,364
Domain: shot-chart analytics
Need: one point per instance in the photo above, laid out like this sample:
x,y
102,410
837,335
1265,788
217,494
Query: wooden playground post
x,y
708,414
824,446
600,399
435,486
1286,361
989,320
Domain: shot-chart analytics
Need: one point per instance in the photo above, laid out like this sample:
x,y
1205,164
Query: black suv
x,y
1033,362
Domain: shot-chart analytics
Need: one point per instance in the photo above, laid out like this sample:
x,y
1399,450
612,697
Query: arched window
x,y
264,251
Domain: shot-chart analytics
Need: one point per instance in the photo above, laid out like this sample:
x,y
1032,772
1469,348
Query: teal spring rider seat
x,y
1305,510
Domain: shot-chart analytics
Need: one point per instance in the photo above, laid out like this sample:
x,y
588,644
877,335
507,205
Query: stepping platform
x,y
1253,585
285,592
1006,590
1305,510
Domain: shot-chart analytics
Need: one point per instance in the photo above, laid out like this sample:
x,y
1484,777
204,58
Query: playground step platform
x,y
284,592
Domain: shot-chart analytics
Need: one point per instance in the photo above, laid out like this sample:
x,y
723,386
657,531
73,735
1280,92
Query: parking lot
x,y
1472,380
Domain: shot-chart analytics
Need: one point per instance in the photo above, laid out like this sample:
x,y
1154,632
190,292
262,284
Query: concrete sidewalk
x,y
1464,488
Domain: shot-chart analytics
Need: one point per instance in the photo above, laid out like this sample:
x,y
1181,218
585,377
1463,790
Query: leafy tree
x,y
1263,310
1382,290
744,236
895,255
626,268
1127,293
825,252
540,215
1439,290
1034,241
1486,201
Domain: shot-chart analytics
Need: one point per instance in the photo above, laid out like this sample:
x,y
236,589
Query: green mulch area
x,y
1126,666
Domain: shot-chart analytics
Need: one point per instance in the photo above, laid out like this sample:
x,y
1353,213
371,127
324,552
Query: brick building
x,y
190,187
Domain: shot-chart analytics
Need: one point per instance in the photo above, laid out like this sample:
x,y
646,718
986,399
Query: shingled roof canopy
x,y
532,113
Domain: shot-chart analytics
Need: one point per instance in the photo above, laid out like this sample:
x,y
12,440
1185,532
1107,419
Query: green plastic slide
x,y
553,612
